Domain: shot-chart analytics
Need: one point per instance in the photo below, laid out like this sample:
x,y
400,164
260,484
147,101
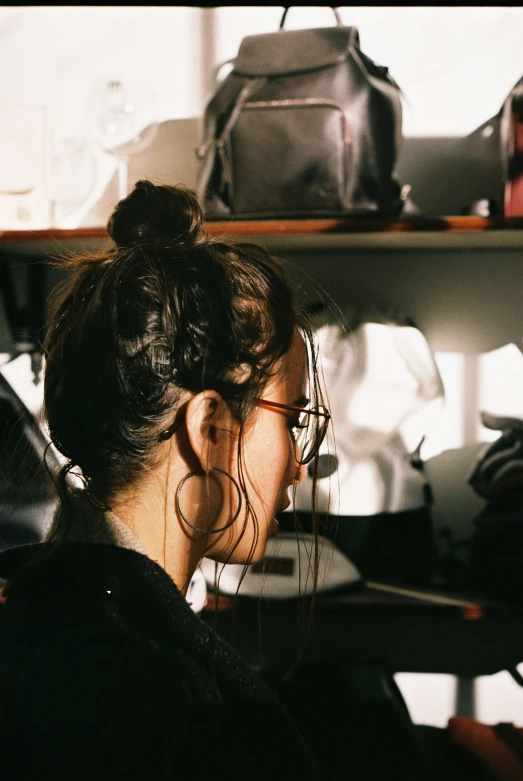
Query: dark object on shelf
x,y
449,174
305,125
502,137
395,547
23,290
496,564
26,507
484,207
496,560
452,569
511,131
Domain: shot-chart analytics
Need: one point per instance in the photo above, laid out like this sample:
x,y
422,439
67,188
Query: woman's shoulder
x,y
89,600
97,599
99,645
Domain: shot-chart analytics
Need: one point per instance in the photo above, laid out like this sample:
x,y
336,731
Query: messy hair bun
x,y
169,310
154,213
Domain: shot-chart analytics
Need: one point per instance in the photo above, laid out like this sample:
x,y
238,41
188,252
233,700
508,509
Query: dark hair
x,y
167,309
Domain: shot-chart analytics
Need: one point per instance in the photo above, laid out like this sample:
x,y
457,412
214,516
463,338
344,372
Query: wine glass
x,y
125,122
73,175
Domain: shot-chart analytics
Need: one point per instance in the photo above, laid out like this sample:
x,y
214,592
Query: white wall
x,y
52,56
455,65
431,698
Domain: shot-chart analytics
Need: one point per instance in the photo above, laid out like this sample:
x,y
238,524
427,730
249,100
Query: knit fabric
x,y
500,464
106,673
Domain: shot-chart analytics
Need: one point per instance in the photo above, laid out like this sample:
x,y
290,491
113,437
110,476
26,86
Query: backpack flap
x,y
287,52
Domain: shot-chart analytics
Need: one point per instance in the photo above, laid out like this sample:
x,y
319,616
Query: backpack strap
x,y
354,35
217,144
217,70
334,9
244,94
250,88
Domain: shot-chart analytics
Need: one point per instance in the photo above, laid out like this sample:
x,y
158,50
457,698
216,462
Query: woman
x,y
176,367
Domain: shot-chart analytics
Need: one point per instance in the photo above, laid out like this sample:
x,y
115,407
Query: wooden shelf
x,y
357,232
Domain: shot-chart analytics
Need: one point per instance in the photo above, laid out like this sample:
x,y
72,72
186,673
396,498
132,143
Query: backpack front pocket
x,y
288,156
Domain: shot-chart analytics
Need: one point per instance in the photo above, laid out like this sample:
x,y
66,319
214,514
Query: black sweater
x,y
106,673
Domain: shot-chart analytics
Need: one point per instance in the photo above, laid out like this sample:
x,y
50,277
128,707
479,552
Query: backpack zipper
x,y
297,102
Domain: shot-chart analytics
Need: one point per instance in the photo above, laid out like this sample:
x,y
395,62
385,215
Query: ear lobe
x,y
206,418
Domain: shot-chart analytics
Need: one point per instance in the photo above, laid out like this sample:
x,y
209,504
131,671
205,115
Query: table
x,y
379,625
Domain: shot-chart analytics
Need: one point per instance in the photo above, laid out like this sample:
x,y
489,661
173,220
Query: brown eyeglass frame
x,y
323,414
167,434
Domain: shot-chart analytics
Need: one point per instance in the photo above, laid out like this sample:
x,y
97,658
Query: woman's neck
x,y
149,513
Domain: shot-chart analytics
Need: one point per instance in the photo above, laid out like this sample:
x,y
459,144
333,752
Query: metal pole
x,y
208,52
465,697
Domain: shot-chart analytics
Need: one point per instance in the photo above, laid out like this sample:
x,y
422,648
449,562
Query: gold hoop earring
x,y
197,528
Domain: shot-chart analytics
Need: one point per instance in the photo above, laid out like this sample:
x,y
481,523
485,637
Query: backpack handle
x,y
334,9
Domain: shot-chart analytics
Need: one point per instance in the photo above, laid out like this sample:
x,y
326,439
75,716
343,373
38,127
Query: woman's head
x,y
173,331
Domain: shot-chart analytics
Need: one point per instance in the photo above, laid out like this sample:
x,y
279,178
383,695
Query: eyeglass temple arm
x,y
295,409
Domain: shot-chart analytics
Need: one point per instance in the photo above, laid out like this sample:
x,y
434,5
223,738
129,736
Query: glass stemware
x,y
73,175
125,122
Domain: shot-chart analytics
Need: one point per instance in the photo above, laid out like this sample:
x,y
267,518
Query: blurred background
x,y
66,68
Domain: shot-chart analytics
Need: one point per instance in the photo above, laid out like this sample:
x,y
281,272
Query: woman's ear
x,y
209,424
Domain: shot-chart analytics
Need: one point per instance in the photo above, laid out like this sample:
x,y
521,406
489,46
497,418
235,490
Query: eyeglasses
x,y
312,427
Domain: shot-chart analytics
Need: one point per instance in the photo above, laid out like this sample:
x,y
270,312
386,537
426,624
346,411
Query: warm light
x,y
500,387
448,434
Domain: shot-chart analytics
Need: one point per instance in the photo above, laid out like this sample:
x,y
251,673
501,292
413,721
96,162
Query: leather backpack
x,y
305,125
